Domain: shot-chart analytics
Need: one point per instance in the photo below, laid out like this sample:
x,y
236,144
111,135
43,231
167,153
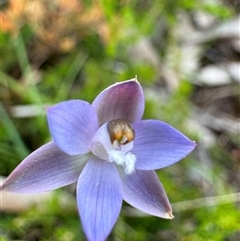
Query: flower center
x,y
113,142
120,131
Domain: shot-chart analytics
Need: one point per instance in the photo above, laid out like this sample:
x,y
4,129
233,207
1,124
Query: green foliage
x,y
218,10
225,221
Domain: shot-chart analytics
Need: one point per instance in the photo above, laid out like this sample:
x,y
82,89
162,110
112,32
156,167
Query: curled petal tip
x,y
195,143
4,187
46,107
169,215
130,80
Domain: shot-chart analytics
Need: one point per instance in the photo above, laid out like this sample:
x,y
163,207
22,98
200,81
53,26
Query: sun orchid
x,y
110,152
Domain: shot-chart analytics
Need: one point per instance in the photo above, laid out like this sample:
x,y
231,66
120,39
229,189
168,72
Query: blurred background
x,y
186,55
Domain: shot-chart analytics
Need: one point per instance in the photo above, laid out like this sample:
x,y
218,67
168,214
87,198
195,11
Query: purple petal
x,y
123,100
144,191
158,145
99,196
101,142
72,125
45,169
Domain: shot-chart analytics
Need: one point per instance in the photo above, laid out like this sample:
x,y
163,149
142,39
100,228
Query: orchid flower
x,y
110,152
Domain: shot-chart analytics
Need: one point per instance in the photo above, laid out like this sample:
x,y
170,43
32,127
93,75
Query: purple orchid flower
x,y
110,152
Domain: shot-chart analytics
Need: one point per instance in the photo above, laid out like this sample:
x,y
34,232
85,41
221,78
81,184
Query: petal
x,y
45,169
123,100
144,191
99,197
158,145
101,142
72,125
